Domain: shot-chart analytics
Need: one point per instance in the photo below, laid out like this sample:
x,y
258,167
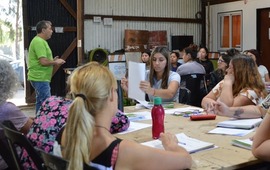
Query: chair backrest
x,y
184,96
193,82
6,153
53,162
120,96
16,138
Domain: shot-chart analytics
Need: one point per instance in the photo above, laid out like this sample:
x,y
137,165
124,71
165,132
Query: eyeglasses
x,y
220,61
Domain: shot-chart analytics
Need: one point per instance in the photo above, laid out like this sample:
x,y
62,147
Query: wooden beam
x,y
65,29
80,35
136,18
67,53
214,2
69,8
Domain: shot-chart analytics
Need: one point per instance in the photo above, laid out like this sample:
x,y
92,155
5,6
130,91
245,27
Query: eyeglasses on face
x,y
221,61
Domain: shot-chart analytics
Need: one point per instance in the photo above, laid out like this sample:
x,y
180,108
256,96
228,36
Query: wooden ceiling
x,y
213,2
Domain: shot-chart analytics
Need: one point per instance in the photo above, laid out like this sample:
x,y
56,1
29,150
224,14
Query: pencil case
x,y
203,117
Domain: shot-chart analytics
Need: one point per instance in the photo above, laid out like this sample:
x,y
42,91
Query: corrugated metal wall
x,y
112,37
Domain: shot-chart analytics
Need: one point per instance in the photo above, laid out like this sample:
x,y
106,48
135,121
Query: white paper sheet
x,y
231,131
137,116
185,109
136,74
135,126
190,144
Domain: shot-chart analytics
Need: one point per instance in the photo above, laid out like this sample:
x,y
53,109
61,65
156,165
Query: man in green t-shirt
x,y
41,62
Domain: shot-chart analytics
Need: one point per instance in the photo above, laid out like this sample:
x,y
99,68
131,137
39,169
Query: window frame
x,y
220,18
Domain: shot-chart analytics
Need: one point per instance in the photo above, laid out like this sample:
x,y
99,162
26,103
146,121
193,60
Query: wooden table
x,y
225,156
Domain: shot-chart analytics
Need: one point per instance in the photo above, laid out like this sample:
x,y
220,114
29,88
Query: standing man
x,y
41,62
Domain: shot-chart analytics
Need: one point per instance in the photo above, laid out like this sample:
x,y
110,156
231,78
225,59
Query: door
x,y
263,35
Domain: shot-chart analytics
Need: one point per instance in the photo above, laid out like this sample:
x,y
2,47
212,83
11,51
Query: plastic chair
x,y
184,96
16,138
53,162
194,82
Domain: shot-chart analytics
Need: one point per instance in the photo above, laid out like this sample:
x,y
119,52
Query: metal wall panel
x,y
112,37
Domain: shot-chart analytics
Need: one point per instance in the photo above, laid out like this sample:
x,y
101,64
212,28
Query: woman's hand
x,y
146,87
124,84
169,141
229,78
221,109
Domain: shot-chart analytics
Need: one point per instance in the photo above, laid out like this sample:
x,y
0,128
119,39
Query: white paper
x,y
134,126
190,144
136,116
185,109
136,74
230,131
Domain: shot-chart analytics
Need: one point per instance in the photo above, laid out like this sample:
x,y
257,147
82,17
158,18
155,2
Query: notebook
x,y
243,143
240,123
190,144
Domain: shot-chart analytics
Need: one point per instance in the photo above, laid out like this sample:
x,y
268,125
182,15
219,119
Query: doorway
x,y
263,36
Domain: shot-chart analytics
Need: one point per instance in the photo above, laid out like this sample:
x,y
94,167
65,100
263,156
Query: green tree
x,y
11,12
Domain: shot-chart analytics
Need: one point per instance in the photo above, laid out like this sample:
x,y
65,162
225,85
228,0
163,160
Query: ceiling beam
x,y
214,2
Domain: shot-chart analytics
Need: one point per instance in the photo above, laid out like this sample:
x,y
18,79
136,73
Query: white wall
x,y
112,37
249,20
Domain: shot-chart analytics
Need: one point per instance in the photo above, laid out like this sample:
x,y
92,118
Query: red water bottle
x,y
157,114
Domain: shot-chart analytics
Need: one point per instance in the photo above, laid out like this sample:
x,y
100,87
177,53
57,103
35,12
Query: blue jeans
x,y
43,91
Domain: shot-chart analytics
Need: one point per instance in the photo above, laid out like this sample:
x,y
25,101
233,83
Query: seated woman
x,y
218,75
241,86
51,118
174,60
205,62
160,80
190,66
145,57
87,139
255,55
8,110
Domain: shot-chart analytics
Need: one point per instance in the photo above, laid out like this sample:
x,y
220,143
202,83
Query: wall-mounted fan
x,y
99,55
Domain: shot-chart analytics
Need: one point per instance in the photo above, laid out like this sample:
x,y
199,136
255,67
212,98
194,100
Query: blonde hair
x,y
91,84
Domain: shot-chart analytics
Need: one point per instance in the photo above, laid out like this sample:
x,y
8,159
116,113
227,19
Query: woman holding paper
x,y
87,139
242,85
160,80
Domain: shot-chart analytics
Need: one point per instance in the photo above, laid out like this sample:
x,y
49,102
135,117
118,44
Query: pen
x,y
182,143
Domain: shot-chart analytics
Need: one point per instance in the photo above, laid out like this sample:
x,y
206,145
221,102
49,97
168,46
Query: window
x,y
230,30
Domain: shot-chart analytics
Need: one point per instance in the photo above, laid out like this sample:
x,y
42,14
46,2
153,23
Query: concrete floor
x,y
19,100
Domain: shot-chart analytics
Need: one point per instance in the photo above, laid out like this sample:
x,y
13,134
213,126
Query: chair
x,y
16,138
120,96
53,162
194,82
184,96
6,154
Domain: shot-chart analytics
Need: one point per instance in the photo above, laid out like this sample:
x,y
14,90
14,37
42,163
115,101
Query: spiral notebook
x,y
240,123
192,145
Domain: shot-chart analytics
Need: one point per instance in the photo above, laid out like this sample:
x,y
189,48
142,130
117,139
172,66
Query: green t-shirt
x,y
36,72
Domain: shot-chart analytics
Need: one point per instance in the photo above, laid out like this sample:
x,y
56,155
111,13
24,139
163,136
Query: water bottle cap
x,y
157,100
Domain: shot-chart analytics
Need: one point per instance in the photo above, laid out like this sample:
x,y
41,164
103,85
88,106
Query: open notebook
x,y
240,123
190,144
243,143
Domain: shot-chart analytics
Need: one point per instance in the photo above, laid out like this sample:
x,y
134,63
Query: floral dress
x,y
50,118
